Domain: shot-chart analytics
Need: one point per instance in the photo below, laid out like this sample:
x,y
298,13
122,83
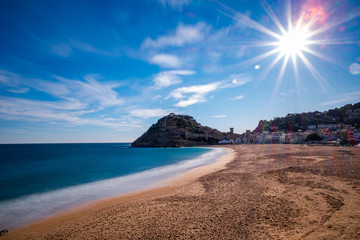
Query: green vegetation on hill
x,y
348,114
180,130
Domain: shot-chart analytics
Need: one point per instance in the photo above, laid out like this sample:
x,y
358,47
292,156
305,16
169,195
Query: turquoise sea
x,y
39,180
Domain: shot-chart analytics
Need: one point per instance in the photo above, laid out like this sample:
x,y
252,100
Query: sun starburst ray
x,y
246,20
259,58
296,72
332,42
273,17
301,38
242,18
320,55
280,77
288,13
268,68
322,82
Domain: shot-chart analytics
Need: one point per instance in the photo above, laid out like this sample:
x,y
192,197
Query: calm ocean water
x,y
38,180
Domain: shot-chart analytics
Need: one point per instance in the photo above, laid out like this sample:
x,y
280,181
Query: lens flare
x,y
354,68
297,41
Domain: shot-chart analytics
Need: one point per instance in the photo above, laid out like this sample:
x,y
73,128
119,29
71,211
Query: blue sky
x,y
104,71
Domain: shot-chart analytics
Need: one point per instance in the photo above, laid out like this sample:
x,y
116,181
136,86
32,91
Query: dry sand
x,y
266,192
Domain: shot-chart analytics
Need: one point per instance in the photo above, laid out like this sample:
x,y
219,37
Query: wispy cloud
x,y
238,97
41,111
86,47
10,79
56,112
149,113
345,98
166,60
73,99
236,80
19,90
12,82
68,47
168,78
219,116
174,3
184,34
90,91
190,95
35,110
194,94
62,50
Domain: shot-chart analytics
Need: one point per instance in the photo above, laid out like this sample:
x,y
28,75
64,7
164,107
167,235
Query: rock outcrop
x,y
2,232
180,130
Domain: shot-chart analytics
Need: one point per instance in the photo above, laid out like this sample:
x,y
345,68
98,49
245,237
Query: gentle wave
x,y
25,210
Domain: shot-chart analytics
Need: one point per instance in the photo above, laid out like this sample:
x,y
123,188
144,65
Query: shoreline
x,y
195,173
264,192
160,187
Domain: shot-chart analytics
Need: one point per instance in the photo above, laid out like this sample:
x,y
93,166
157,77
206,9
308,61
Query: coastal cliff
x,y
180,130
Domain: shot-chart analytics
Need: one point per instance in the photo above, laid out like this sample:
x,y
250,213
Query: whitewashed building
x,y
226,141
278,137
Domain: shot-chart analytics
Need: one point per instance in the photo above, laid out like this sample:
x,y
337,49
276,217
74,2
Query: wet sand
x,y
265,192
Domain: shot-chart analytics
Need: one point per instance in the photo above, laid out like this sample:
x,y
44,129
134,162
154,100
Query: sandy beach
x,y
255,192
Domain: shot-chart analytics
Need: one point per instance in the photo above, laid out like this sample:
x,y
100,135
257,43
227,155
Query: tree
x,y
313,137
344,138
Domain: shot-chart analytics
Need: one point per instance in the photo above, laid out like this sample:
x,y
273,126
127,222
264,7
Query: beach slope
x,y
267,191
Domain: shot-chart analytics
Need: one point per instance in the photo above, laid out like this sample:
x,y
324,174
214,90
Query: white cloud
x,y
67,48
182,72
196,94
219,116
174,3
166,60
72,100
238,97
149,113
196,98
238,80
13,81
89,91
184,34
36,110
10,79
243,20
198,89
85,47
19,90
168,78
69,111
345,98
156,97
162,80
192,94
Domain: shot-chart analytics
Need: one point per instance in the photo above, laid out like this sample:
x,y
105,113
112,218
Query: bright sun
x,y
293,42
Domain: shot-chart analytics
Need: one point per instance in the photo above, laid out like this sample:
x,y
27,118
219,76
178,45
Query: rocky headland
x,y
180,130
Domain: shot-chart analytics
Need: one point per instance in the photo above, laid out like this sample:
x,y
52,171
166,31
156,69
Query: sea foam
x,y
25,210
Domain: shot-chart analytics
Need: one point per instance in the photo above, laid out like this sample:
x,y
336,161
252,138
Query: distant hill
x,y
348,114
180,130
